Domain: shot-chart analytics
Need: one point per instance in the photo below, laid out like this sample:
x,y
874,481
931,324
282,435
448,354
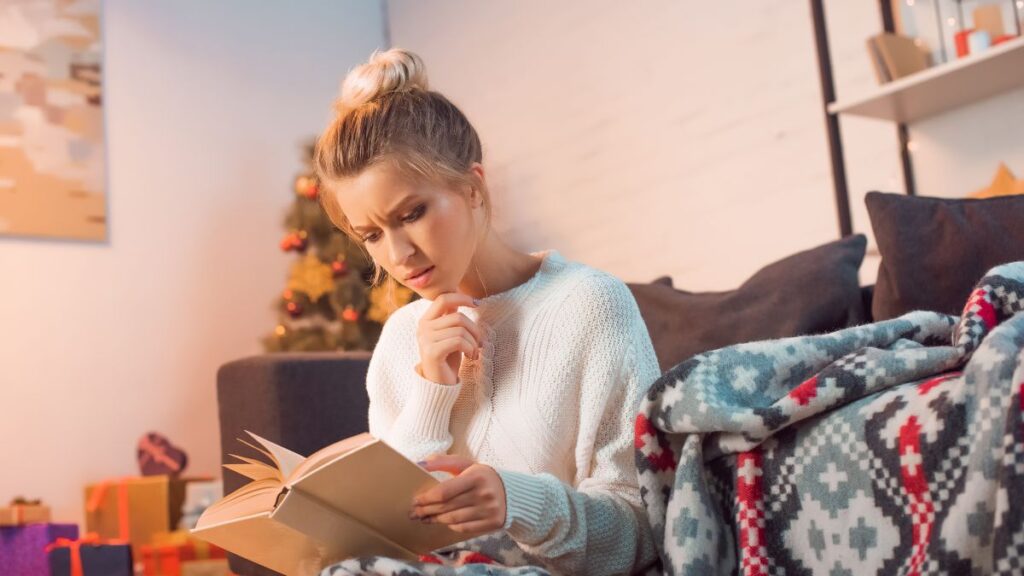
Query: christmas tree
x,y
330,302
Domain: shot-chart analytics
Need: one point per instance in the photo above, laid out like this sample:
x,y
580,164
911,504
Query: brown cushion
x,y
814,291
934,250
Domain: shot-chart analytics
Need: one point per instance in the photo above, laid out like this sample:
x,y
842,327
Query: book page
x,y
255,497
329,453
375,485
285,459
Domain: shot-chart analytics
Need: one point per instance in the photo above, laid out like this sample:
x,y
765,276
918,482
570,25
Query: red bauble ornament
x,y
349,314
294,308
339,268
312,190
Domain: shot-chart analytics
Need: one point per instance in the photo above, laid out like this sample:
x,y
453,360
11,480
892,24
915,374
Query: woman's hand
x,y
444,335
473,502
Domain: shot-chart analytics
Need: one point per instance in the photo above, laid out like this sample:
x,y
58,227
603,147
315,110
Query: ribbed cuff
x,y
430,408
525,505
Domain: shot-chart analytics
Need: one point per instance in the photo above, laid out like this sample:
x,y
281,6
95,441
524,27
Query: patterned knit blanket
x,y
889,448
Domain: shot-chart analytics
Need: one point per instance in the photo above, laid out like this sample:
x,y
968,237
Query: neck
x,y
497,267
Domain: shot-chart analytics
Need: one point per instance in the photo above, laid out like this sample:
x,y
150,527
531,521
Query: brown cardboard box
x,y
134,508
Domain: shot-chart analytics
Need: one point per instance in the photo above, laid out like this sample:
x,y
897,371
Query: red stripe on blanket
x,y
805,391
922,509
750,497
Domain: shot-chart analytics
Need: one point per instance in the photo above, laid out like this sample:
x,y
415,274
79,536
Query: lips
x,y
418,272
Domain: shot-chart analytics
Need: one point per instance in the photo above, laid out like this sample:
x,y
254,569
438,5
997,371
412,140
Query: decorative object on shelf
x,y
330,302
896,56
88,556
951,23
978,41
1003,184
21,511
156,456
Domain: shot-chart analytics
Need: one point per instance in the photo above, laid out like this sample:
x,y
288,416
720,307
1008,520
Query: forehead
x,y
378,187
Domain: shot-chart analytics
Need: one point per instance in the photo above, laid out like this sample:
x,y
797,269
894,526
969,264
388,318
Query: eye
x,y
415,214
371,238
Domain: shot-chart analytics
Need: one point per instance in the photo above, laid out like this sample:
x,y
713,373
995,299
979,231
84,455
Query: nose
x,y
400,248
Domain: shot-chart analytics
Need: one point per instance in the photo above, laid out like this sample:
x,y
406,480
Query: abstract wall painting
x,y
52,144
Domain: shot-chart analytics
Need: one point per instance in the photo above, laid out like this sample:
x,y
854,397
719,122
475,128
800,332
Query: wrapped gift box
x,y
135,508
217,567
170,552
90,557
19,514
23,548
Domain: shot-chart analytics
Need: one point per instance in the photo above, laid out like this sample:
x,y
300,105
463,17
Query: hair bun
x,y
394,70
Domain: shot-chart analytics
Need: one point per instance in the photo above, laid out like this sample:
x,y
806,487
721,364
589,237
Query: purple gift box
x,y
23,548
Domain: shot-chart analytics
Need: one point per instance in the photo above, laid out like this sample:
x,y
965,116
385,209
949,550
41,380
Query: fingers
x,y
447,463
461,501
457,320
458,344
458,332
445,491
446,303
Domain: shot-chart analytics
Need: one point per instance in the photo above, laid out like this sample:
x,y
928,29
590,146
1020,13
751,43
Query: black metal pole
x,y
835,141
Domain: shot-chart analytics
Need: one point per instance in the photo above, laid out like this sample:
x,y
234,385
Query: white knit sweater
x,y
550,405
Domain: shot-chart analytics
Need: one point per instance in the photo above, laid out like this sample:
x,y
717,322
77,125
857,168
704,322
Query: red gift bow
x,y
123,518
158,454
91,539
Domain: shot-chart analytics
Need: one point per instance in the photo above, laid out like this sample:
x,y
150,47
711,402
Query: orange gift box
x,y
135,508
19,514
171,552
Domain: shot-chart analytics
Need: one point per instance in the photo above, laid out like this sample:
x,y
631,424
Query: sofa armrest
x,y
300,400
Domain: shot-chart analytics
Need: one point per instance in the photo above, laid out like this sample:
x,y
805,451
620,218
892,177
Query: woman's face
x,y
411,228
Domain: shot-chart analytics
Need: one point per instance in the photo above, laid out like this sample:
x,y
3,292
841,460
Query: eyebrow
x,y
398,208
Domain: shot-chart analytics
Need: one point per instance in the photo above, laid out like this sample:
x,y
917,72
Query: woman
x,y
518,372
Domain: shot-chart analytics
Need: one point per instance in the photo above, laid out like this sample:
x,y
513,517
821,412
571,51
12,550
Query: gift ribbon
x,y
75,546
123,518
158,454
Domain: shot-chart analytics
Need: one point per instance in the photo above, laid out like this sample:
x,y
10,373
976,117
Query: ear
x,y
476,197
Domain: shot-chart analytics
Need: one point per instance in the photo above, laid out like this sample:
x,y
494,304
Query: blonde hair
x,y
386,114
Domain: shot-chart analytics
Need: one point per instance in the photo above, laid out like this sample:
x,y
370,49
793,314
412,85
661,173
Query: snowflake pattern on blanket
x,y
889,448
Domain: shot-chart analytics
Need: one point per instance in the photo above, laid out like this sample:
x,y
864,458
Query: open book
x,y
351,498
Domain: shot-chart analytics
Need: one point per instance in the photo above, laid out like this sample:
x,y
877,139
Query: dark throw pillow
x,y
810,292
934,250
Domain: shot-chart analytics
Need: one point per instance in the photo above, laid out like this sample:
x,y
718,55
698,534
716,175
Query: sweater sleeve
x,y
598,526
406,410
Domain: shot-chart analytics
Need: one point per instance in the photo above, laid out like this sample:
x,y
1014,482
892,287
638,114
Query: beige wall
x,y
681,138
206,103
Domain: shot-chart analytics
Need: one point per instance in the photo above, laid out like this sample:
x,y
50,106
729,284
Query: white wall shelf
x,y
944,87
